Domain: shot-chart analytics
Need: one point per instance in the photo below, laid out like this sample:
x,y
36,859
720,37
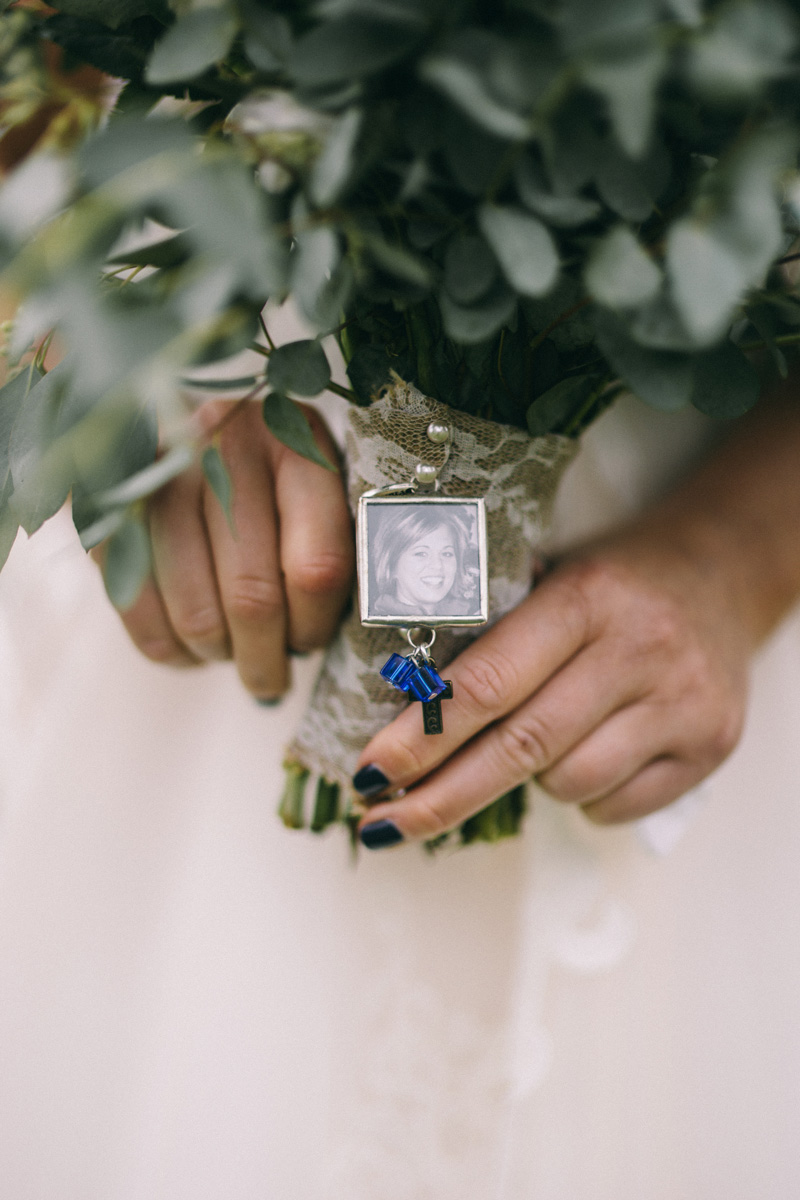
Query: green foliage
x,y
299,367
198,39
725,383
521,207
290,425
219,480
126,565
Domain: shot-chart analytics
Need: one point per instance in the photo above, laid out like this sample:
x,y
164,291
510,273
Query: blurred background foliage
x,y
521,206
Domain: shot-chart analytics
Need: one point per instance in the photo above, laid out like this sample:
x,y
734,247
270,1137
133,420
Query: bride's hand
x,y
620,682
279,585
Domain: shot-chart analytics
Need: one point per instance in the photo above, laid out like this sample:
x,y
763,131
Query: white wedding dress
x,y
196,1004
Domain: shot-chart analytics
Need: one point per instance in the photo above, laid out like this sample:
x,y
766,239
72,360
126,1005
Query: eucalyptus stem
x,y
291,808
326,805
783,339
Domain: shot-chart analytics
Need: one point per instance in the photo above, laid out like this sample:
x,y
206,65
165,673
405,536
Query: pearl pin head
x,y
438,432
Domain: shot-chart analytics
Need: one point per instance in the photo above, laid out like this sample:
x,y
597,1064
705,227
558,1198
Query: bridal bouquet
x,y
517,209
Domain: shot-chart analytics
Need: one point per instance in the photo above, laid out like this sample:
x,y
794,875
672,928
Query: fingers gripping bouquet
x,y
427,566
505,214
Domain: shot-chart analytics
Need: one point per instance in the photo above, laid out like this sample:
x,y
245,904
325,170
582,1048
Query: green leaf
x,y
334,166
219,480
287,421
726,384
126,566
300,367
729,242
475,156
552,411
342,50
662,378
315,258
470,268
196,41
688,12
226,216
571,148
622,184
238,384
746,45
401,12
658,325
267,36
33,193
480,321
12,399
129,141
9,528
707,277
524,248
627,76
619,273
92,535
586,24
130,445
395,260
147,481
170,251
556,209
40,463
463,85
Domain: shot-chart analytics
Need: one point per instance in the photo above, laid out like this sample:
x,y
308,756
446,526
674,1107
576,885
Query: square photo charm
x,y
422,561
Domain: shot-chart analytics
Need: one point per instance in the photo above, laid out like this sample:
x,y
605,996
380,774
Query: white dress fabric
x,y
197,1004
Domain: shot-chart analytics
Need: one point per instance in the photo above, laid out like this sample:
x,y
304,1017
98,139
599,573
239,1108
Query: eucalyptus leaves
x,y
520,206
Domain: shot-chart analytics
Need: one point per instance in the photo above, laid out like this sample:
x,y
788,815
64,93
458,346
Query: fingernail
x,y
370,780
380,834
268,701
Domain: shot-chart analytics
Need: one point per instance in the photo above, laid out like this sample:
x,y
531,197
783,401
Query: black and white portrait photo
x,y
422,561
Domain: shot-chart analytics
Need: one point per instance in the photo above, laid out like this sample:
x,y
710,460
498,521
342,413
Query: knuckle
x,y
524,743
429,820
321,574
486,682
664,630
253,599
201,625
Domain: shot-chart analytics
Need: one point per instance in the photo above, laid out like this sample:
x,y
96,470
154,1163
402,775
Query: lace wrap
x,y
518,476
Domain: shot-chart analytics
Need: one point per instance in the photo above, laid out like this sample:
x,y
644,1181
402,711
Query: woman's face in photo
x,y
426,569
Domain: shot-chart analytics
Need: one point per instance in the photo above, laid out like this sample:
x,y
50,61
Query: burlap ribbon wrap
x,y
518,476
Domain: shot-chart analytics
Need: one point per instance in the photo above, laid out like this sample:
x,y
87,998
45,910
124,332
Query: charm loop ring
x,y
420,638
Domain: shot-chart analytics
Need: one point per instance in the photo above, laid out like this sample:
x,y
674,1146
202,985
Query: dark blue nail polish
x,y
370,780
380,834
268,701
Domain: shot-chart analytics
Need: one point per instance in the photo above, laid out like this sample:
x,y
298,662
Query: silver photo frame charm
x,y
422,560
422,565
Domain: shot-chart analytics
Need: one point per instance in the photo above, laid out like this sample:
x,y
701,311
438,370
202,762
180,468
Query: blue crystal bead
x,y
397,670
422,682
426,684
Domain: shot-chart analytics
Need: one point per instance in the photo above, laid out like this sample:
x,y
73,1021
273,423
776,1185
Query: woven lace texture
x,y
518,477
